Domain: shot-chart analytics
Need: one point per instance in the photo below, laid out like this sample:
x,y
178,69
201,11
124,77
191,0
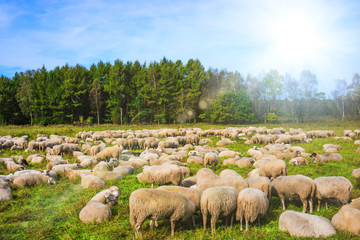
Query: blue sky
x,y
250,36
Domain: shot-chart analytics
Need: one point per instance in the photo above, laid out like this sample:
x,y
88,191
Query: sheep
x,y
32,179
317,158
62,168
5,191
95,211
244,162
192,194
211,159
254,173
195,159
288,155
50,173
252,204
333,157
87,161
273,169
229,154
161,175
108,175
105,198
188,182
109,152
229,173
236,182
337,147
30,171
293,186
217,202
261,183
205,174
35,158
12,166
332,187
347,218
356,173
91,181
51,164
299,161
124,170
73,174
158,204
65,148
305,225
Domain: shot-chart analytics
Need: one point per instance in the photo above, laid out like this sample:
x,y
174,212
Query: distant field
x,y
51,211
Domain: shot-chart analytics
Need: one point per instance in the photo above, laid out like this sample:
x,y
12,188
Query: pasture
x,y
51,211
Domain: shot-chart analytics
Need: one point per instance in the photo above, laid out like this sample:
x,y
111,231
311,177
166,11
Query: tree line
x,y
168,92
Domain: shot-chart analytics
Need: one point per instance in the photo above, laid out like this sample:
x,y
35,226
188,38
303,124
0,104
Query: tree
x,y
340,93
24,94
354,91
308,83
273,88
95,98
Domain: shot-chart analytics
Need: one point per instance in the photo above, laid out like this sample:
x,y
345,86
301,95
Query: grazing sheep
x,y
73,174
5,191
317,158
158,204
91,181
109,152
333,157
124,170
65,148
229,154
188,182
192,194
273,169
195,159
12,166
244,162
108,175
332,187
161,175
51,164
261,183
235,182
50,173
348,218
252,204
294,186
211,159
254,173
108,196
305,225
95,211
62,168
356,173
32,179
218,202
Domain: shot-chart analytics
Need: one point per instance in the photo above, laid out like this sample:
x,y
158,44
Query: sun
x,y
295,38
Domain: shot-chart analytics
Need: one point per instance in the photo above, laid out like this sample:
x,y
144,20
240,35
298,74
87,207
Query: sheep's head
x,y
110,199
79,165
313,155
51,181
141,177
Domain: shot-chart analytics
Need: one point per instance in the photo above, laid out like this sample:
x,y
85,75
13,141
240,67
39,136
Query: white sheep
x,y
332,187
5,191
348,217
91,181
218,202
229,173
305,225
252,204
294,186
211,159
161,175
62,168
109,152
273,169
95,211
32,179
235,182
158,204
108,196
124,170
261,183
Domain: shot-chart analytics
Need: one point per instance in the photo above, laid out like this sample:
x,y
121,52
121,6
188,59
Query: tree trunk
x,y
31,119
343,109
121,117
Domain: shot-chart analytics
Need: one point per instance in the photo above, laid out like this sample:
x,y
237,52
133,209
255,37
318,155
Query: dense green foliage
x,y
168,92
51,211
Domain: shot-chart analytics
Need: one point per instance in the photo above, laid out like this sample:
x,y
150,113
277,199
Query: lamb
x,y
293,186
211,159
90,181
252,204
273,169
318,158
332,187
32,179
348,217
109,152
62,168
261,183
217,202
192,194
305,225
12,166
5,191
236,182
158,204
108,196
95,211
161,175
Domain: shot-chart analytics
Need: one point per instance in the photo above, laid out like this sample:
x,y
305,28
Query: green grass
x,y
51,211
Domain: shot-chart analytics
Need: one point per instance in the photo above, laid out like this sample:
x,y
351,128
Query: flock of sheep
x,y
111,155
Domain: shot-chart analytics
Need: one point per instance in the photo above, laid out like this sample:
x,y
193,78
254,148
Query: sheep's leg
x,y
204,220
172,228
241,228
193,220
247,224
213,223
227,220
259,220
152,185
304,202
151,225
138,223
311,205
232,219
319,203
326,203
282,198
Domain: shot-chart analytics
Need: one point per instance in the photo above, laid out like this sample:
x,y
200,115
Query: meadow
x,y
51,211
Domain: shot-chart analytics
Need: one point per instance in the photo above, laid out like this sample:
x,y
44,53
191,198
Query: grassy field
x,y
51,211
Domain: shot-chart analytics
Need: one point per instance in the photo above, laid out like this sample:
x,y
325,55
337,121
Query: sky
x,y
248,36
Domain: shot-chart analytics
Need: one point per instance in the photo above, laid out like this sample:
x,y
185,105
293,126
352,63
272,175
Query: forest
x,y
168,92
